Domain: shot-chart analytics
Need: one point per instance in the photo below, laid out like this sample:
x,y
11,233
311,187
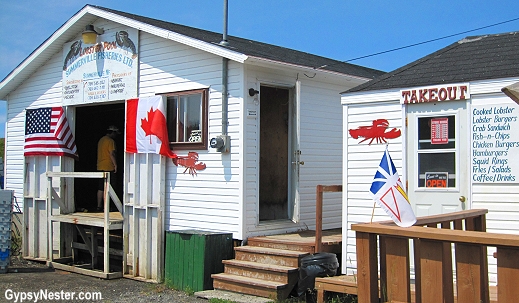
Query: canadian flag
x,y
146,128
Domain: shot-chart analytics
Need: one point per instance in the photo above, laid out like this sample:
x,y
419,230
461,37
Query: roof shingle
x,y
472,58
258,49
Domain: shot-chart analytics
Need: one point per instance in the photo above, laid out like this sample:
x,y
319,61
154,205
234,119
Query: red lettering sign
x,y
435,94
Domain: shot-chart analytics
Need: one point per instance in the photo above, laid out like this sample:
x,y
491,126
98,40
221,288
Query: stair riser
x,y
261,274
251,290
293,247
267,259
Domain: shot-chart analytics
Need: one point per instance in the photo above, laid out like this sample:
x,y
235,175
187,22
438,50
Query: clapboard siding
x,y
193,202
360,164
500,199
43,88
503,211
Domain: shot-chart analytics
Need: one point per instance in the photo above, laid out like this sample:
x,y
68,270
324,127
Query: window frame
x,y
203,145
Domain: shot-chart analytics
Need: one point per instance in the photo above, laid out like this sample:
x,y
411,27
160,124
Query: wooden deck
x,y
303,241
348,285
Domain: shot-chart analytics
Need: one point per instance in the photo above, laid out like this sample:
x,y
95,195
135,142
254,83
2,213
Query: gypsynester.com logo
x,y
43,295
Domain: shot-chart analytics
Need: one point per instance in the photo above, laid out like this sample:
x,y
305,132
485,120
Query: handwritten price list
x,y
495,144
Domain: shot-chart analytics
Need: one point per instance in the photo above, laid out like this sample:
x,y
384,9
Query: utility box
x,y
193,255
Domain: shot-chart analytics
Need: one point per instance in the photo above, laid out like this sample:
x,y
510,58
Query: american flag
x,y
47,133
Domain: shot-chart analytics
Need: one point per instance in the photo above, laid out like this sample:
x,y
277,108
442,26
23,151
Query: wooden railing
x,y
319,190
432,238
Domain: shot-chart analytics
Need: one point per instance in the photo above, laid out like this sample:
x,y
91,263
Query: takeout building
x,y
458,136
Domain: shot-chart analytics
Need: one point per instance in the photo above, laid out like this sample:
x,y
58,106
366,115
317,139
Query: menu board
x,y
495,143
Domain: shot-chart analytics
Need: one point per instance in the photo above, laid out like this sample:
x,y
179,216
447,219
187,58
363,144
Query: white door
x,y
437,153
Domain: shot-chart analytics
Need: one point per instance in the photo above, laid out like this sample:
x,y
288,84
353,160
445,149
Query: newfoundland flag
x,y
47,133
146,128
388,192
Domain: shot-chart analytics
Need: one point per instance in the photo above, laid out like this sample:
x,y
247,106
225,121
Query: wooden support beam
x,y
471,283
113,251
85,238
397,278
319,190
318,218
431,263
448,286
57,199
367,268
507,274
114,197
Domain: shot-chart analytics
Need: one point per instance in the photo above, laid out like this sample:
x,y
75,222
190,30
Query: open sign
x,y
436,180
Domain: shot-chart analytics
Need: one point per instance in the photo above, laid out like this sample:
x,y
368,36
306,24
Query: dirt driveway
x,y
24,278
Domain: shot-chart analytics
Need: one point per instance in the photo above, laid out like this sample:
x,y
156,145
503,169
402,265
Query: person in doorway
x,y
106,161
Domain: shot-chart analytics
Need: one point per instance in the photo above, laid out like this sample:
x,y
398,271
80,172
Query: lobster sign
x,y
190,162
376,131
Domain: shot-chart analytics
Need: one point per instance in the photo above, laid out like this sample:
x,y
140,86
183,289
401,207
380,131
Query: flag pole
x,y
373,211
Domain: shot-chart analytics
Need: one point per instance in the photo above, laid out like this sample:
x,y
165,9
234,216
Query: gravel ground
x,y
27,276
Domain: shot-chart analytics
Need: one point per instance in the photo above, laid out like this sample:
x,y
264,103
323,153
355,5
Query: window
x,y
437,154
187,119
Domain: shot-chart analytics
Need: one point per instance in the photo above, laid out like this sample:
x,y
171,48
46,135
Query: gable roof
x,y
472,58
238,49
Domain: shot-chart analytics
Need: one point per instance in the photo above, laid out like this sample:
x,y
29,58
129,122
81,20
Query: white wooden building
x,y
459,136
278,108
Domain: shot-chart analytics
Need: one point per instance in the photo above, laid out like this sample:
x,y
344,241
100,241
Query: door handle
x,y
462,199
298,162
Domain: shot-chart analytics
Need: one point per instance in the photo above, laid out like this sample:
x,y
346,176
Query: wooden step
x,y
256,287
268,272
269,255
281,244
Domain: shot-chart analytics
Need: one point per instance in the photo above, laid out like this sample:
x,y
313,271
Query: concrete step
x,y
268,272
269,255
256,287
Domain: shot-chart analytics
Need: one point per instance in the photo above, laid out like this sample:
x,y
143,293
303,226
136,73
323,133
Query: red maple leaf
x,y
146,124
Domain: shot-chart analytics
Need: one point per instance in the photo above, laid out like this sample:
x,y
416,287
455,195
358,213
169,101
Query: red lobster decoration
x,y
190,163
375,131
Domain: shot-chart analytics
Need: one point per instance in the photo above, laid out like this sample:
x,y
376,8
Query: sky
x,y
337,29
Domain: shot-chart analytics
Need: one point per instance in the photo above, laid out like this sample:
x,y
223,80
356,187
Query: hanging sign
x,y
436,179
105,71
439,130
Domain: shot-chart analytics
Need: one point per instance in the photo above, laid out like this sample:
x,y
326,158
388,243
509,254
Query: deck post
x,y
395,282
318,218
319,190
367,267
507,274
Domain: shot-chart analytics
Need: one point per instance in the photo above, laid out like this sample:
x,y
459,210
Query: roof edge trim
x,y
253,59
170,35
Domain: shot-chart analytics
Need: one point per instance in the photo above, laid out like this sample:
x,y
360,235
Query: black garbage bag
x,y
316,265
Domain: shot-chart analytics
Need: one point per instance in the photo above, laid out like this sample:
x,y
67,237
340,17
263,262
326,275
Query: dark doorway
x,y
273,173
91,124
